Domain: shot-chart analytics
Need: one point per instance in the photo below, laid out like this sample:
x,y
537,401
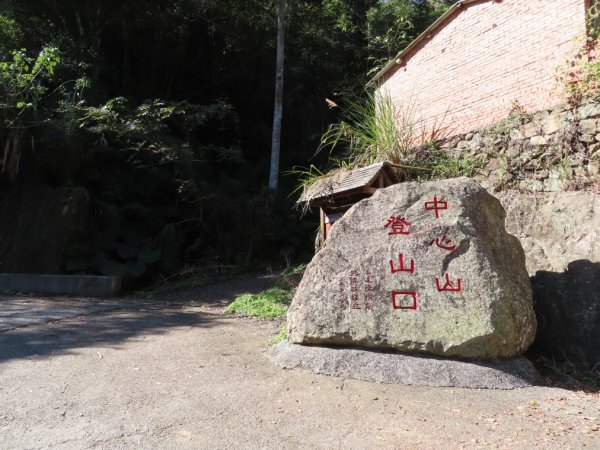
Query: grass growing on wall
x,y
580,77
373,129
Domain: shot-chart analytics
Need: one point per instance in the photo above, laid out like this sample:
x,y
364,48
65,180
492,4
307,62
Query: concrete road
x,y
182,374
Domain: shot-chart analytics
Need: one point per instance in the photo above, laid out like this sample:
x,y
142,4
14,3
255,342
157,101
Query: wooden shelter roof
x,y
346,182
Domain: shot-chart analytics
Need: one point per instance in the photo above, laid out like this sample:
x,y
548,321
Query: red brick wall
x,y
488,55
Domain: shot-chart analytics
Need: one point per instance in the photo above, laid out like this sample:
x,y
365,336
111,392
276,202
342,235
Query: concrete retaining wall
x,y
79,285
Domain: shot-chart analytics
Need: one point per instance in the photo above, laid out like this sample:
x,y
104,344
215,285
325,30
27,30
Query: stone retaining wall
x,y
530,160
548,151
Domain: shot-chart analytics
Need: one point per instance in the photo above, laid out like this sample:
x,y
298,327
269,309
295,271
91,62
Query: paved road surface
x,y
181,374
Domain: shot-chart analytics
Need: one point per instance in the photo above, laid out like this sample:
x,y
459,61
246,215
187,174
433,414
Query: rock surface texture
x,y
560,233
555,228
419,267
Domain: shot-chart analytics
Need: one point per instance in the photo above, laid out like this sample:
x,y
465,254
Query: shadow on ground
x,y
108,328
126,319
567,307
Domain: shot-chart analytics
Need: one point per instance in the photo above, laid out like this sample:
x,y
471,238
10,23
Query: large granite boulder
x,y
419,267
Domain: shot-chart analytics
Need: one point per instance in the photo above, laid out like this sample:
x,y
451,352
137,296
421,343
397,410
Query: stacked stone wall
x,y
553,150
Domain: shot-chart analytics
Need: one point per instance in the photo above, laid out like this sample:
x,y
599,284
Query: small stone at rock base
x,y
531,185
588,126
566,116
487,180
513,151
554,183
576,160
395,368
462,145
516,134
580,173
493,164
419,267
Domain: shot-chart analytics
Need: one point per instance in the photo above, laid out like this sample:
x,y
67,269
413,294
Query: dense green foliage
x,y
162,111
22,80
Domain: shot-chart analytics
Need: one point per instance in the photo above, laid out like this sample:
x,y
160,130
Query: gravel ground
x,y
179,373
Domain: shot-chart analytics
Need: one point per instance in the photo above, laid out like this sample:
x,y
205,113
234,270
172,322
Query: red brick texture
x,y
470,72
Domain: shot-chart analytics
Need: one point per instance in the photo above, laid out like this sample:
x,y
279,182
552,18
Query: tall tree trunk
x,y
125,75
278,110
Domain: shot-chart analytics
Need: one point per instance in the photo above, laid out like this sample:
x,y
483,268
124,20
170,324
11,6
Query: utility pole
x,y
278,110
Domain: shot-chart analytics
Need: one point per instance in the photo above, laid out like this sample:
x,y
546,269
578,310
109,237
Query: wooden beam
x,y
322,235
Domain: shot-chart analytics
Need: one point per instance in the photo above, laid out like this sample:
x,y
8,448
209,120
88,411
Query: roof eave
x,y
398,59
384,166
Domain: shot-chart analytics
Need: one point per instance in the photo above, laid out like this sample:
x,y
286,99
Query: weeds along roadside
x,y
271,303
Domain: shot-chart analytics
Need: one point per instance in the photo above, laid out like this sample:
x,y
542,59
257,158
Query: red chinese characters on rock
x,y
398,225
402,266
444,243
353,278
449,286
436,205
407,299
343,297
368,292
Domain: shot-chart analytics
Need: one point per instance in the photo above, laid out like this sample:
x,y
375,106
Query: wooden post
x,y
323,235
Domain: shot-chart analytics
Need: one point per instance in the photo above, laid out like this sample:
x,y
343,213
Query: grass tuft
x,y
271,303
282,336
373,129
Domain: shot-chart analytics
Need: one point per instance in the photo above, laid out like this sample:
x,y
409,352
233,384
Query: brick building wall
x,y
485,57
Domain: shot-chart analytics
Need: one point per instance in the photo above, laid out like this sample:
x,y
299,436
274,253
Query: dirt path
x,y
184,375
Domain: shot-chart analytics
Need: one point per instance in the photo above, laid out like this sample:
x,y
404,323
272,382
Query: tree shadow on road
x,y
107,328
118,320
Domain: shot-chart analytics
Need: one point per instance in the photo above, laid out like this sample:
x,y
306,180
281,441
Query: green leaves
x,y
393,24
22,86
22,79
